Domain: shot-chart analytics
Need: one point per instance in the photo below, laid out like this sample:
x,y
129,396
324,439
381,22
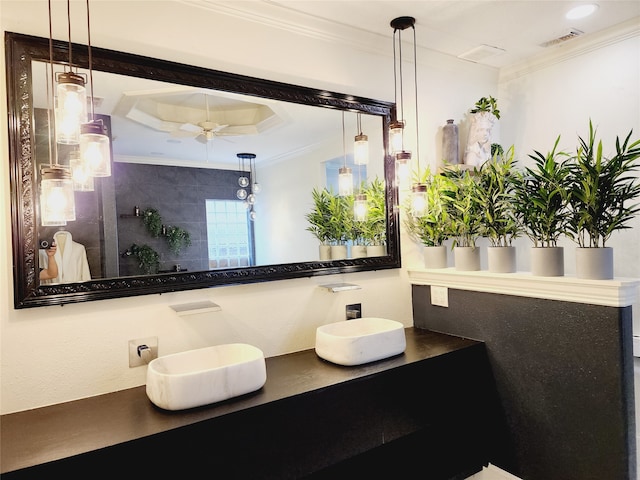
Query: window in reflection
x,y
229,234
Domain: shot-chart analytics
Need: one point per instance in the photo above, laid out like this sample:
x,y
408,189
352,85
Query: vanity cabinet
x,y
431,409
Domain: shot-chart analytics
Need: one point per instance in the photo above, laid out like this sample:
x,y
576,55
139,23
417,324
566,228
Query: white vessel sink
x,y
206,375
363,340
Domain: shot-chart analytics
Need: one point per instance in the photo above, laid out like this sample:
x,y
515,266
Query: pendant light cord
x,y
69,32
93,115
415,82
53,152
344,142
398,75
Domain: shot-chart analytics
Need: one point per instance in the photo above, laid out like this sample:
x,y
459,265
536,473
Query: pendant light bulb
x,y
80,173
419,200
396,140
345,182
403,166
360,208
71,107
243,181
241,193
95,149
57,202
361,150
257,188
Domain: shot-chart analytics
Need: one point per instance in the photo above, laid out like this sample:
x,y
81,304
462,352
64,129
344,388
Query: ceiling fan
x,y
202,131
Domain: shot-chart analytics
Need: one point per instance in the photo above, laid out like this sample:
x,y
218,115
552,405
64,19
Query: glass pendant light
x,y
360,207
57,203
396,127
95,144
419,200
361,145
80,174
256,187
345,177
71,98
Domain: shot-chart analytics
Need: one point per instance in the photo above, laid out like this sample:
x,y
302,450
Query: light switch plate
x,y
439,296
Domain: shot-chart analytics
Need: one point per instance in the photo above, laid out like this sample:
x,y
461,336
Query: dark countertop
x,y
42,435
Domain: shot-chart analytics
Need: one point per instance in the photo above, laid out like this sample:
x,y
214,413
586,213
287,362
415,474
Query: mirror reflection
x,y
212,179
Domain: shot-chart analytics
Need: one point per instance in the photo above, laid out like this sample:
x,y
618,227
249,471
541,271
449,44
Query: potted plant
x,y
152,221
542,200
432,229
374,228
338,226
500,220
318,219
600,195
464,212
483,116
148,259
177,239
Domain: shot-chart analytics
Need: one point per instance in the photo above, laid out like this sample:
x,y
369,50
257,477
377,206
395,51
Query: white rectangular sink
x,y
206,375
363,340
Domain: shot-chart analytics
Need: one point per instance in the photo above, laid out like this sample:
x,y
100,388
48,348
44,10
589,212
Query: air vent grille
x,y
573,33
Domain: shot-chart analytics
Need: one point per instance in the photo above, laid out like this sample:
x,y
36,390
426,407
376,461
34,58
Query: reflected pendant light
x,y
345,177
57,203
361,145
95,144
71,99
80,174
419,206
360,207
256,187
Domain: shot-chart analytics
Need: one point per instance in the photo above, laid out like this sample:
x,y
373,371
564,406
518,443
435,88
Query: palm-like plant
x,y
496,193
320,216
464,207
433,228
601,189
374,228
542,197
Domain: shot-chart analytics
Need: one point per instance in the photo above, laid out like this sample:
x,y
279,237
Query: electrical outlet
x,y
136,360
354,311
439,296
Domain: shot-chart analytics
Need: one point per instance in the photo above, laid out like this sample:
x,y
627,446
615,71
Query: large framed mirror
x,y
185,141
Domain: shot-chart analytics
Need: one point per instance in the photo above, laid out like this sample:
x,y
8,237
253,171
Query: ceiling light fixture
x,y
95,144
581,11
396,127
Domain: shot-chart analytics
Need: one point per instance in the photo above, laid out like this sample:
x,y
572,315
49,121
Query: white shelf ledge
x,y
340,287
619,292
193,308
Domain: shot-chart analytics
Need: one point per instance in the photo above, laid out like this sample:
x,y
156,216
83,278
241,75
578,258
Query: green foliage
x,y
487,104
319,217
374,228
433,228
496,192
148,258
542,197
465,210
177,239
153,221
601,189
338,228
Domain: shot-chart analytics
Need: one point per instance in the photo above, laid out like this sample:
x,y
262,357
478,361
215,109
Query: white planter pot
x,y
358,251
325,252
338,252
547,261
376,250
435,257
467,258
501,259
594,263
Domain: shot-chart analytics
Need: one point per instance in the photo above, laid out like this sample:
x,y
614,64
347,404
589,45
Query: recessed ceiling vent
x,y
573,33
481,53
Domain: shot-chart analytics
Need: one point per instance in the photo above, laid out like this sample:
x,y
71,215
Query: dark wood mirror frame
x,y
21,50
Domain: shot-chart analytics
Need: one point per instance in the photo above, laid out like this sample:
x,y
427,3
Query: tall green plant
x,y
319,217
464,207
542,197
433,228
496,195
338,230
601,190
374,228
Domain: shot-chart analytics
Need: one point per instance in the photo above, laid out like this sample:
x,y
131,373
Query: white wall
x,y
55,354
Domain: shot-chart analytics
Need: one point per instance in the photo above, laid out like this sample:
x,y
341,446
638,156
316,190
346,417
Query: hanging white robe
x,y
71,258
